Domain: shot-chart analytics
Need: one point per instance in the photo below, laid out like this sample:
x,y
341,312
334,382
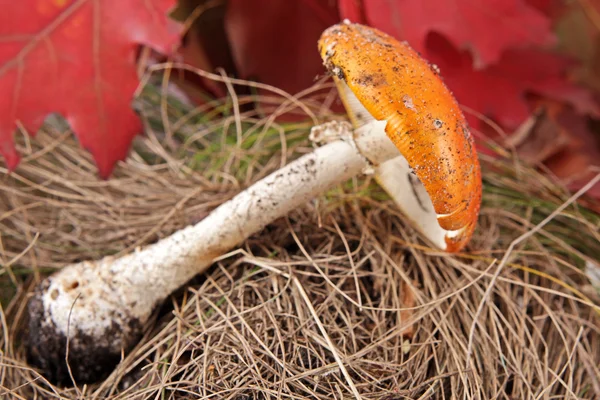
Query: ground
x,y
338,298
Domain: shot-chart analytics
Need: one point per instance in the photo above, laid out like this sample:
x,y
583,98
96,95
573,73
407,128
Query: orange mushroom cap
x,y
393,83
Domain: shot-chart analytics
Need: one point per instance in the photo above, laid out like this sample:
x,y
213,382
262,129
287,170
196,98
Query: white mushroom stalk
x,y
101,306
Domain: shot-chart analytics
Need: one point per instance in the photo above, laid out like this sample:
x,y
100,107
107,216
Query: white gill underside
x,y
398,180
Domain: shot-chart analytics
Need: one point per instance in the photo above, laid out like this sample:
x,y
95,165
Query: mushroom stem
x,y
101,306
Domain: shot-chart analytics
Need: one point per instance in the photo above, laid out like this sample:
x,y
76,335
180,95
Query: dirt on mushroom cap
x,y
424,120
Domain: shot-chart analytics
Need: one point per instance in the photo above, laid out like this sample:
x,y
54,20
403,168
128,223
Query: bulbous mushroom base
x,y
91,357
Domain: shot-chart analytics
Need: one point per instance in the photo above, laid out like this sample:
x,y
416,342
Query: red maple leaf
x,y
502,36
275,41
485,28
500,91
77,58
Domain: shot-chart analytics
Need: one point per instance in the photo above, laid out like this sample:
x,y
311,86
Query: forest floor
x,y
343,281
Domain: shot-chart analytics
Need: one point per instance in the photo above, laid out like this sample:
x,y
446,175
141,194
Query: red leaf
x,y
275,42
78,58
352,10
565,143
573,164
485,28
500,91
514,68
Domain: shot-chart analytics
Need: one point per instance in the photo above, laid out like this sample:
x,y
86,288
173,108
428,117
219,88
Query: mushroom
x,y
381,79
99,308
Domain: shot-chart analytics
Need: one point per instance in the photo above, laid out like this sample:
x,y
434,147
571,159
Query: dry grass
x,y
336,299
